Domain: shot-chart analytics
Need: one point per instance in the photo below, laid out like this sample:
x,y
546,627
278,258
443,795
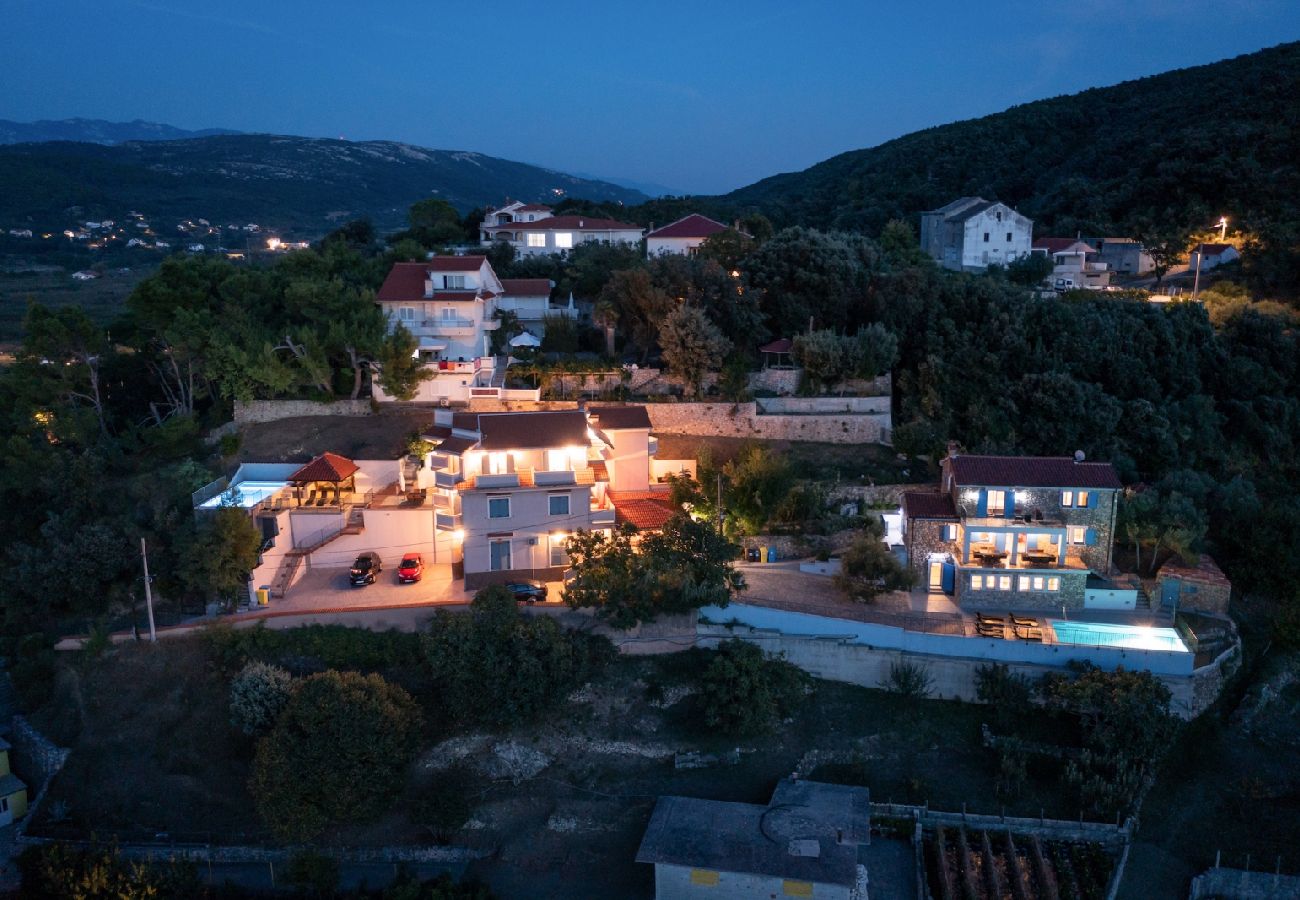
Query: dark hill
x,y
97,131
1158,156
294,183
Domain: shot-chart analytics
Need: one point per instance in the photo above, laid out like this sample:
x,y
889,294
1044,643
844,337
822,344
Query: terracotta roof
x,y
780,345
405,281
928,505
1032,471
647,510
1205,570
616,417
692,226
454,263
566,223
527,287
533,430
326,467
599,470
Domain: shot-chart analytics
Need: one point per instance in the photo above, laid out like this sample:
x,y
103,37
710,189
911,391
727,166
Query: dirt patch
x,y
839,463
381,436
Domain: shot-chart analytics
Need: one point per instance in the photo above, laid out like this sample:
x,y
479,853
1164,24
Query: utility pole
x,y
148,592
1196,282
719,503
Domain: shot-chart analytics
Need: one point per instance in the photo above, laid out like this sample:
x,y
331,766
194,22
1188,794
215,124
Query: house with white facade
x,y
1075,264
533,230
970,234
684,236
1208,256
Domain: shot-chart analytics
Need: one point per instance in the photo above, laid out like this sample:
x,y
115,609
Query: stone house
x,y
971,233
1013,532
1199,586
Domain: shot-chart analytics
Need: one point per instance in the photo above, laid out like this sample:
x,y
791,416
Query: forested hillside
x,y
1159,158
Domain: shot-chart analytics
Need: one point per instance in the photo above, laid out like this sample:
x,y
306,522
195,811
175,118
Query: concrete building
x,y
1209,256
1012,532
1124,256
1075,264
810,840
541,233
684,236
970,234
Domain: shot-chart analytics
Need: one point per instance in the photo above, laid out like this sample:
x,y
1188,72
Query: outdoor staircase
x,y
288,568
499,372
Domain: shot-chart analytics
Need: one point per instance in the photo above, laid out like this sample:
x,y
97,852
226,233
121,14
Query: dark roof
x,y
928,505
11,784
405,281
1032,471
454,263
647,510
326,467
1204,570
567,223
1055,245
533,430
465,420
617,417
749,838
533,207
780,345
455,445
1212,249
963,214
526,287
692,226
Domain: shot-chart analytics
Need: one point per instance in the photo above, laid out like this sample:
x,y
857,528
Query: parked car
x,y
410,569
365,569
527,591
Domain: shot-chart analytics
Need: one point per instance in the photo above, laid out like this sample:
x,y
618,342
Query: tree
x,y
757,483
435,223
400,372
71,351
59,872
223,551
692,345
258,694
822,356
804,273
868,569
338,753
605,317
727,248
744,691
1008,693
1035,268
498,667
685,566
641,306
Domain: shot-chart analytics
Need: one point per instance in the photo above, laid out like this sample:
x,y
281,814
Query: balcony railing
x,y
440,325
445,521
448,479
528,477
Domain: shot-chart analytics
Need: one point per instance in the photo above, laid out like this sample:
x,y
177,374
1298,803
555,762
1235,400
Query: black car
x,y
528,592
366,569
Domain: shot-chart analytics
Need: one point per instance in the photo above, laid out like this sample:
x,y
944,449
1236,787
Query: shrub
x,y
338,752
444,806
1009,694
313,874
326,646
868,568
55,872
910,680
744,691
257,696
32,669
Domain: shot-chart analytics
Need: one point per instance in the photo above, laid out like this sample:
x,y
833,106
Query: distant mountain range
x,y
97,131
295,184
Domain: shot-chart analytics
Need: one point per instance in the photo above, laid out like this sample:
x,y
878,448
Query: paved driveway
x,y
321,588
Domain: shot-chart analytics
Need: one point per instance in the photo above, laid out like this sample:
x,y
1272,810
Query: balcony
x,y
451,326
446,521
448,479
525,477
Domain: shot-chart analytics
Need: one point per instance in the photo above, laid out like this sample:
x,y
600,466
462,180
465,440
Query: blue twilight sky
x,y
702,97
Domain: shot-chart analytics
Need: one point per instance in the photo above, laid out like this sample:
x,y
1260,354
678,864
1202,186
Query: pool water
x,y
250,494
1132,637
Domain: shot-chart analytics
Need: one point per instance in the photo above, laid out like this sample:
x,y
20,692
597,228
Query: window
x,y
536,239
406,313
499,553
999,215
498,507
557,460
449,314
793,888
498,463
530,217
986,237
1067,498
1081,499
977,582
559,550
1004,582
454,282
997,503
1038,582
564,239
1008,237
1078,535
1053,584
1022,583
559,504
950,532
706,877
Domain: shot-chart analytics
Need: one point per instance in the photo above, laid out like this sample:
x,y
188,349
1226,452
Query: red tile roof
x,y
566,223
928,505
454,263
647,510
616,417
326,467
1032,471
692,226
526,287
404,282
780,345
1054,245
1205,571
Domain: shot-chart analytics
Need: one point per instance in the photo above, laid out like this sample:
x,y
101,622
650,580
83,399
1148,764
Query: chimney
x,y
428,288
953,449
581,223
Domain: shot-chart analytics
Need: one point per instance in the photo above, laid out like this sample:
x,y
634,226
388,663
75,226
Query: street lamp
x,y
1223,228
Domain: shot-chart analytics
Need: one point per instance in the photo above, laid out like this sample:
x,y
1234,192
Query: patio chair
x,y
324,495
1029,634
311,498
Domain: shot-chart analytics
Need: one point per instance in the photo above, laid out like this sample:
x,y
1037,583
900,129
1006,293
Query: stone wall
x,y
35,755
1241,884
743,420
925,536
781,382
272,410
1074,584
807,406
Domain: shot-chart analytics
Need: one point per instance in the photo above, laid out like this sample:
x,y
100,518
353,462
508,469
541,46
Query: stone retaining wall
x,y
36,755
253,411
743,420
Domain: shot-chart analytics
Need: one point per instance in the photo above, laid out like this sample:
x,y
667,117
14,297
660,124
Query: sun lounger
x,y
311,498
989,620
990,630
1028,623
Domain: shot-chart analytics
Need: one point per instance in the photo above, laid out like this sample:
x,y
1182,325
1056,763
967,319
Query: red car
x,y
410,569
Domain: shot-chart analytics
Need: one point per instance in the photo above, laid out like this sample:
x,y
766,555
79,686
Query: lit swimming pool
x,y
245,495
1131,637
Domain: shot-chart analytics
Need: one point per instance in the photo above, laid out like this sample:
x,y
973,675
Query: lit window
x,y
977,582
793,888
997,503
1067,498
498,507
454,282
1038,582
564,239
1081,500
559,504
498,464
1053,584
1004,582
1077,534
705,877
536,239
1023,584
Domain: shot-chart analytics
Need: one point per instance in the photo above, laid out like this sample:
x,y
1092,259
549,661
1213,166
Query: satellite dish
x,y
1078,456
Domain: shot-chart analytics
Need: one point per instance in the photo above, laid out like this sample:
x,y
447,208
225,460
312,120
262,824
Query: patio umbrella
x,y
524,340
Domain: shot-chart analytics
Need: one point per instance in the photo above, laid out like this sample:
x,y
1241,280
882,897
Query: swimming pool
x,y
1131,637
245,495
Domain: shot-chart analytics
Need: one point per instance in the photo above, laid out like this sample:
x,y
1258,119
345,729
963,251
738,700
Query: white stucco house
x,y
970,234
1075,263
1208,256
532,229
682,237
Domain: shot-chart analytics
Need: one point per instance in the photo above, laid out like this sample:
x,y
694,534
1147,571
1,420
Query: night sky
x,y
700,97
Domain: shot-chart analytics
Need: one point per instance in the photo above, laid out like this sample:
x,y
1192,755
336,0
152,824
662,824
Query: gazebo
x,y
776,355
329,470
